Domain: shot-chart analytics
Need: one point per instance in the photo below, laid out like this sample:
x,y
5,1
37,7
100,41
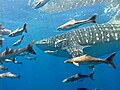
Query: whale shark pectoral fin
x,y
76,64
75,49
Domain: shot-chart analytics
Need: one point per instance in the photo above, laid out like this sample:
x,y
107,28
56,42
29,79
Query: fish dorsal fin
x,y
8,73
72,21
78,74
76,64
86,55
91,67
18,28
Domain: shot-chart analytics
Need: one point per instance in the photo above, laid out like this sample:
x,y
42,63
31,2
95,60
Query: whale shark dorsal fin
x,y
76,64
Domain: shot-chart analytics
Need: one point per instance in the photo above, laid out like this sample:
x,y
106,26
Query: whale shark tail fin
x,y
24,27
93,18
91,75
110,59
30,49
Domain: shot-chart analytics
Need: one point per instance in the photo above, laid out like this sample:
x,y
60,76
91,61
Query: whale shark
x,y
96,40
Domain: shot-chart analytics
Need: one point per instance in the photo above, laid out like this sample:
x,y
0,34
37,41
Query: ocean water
x,y
48,72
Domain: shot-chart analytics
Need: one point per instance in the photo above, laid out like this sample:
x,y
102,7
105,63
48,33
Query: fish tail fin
x,y
18,76
93,18
91,75
24,27
30,49
110,59
22,38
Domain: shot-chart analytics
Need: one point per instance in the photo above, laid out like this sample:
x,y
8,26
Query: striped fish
x,y
9,75
19,31
96,40
12,53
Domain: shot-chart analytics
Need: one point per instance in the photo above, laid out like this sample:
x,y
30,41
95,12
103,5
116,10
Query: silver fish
x,y
31,58
78,76
2,68
92,61
9,75
74,23
4,31
40,3
18,42
96,40
13,61
12,53
18,31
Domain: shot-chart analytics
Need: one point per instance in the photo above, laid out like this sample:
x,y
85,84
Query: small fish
x,y
2,68
31,58
24,54
18,31
91,61
75,23
4,31
13,61
9,75
18,42
78,76
60,40
40,3
12,53
50,51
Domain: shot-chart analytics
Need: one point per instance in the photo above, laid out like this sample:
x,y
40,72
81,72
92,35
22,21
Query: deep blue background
x,y
49,71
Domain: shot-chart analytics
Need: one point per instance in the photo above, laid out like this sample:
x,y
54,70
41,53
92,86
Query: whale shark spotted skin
x,y
96,40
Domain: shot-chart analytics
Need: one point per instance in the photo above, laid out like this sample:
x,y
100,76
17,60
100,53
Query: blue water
x,y
49,71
